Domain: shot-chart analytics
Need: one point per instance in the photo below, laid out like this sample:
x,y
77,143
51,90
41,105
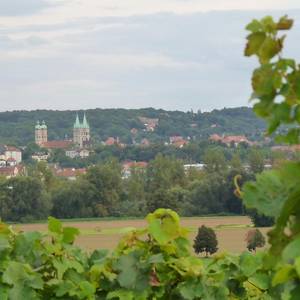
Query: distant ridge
x,y
17,127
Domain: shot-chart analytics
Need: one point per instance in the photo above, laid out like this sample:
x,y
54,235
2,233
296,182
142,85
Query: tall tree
x,y
256,161
206,241
107,180
214,160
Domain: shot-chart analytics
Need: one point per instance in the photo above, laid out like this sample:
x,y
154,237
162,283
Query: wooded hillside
x,y
17,127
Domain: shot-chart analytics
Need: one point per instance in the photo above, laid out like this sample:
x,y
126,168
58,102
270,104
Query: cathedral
x,y
81,135
81,132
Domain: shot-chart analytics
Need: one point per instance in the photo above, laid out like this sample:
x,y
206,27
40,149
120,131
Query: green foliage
x,y
18,127
214,160
276,193
205,241
276,82
152,263
256,161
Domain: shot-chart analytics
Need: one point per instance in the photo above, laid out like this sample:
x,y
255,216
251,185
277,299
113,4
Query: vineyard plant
x,y
157,262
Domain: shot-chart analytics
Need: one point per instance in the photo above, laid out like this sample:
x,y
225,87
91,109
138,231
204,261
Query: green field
x,y
230,230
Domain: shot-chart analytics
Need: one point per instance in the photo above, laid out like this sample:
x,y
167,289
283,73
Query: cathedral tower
x,y
81,132
41,133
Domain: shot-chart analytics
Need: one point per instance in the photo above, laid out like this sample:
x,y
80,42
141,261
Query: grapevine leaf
x,y
191,289
121,294
282,275
69,234
255,41
54,225
266,194
292,250
164,225
249,263
260,280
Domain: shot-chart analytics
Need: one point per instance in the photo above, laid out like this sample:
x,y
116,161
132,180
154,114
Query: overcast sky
x,y
171,54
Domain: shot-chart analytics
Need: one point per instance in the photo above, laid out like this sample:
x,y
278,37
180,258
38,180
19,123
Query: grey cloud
x,y
182,62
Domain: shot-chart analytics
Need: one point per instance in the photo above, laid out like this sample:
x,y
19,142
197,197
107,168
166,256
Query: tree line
x,y
104,191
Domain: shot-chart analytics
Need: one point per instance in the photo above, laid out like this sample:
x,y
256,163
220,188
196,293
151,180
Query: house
x,y
82,153
198,167
178,141
215,138
14,153
128,165
145,142
69,173
149,123
112,141
134,131
12,171
230,139
40,156
235,139
10,156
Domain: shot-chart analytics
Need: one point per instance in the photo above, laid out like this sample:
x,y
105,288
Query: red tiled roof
x,y
113,141
180,144
69,172
215,137
12,149
138,164
229,139
235,139
110,141
57,144
176,138
7,171
11,171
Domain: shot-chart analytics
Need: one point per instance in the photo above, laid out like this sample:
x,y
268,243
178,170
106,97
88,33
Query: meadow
x,y
105,234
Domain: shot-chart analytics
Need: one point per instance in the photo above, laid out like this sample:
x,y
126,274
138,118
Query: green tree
x,y
134,203
208,196
163,173
256,161
27,199
75,199
206,241
214,160
236,163
255,239
106,179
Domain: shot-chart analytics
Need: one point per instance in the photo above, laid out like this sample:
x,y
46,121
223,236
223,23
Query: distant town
x,y
80,147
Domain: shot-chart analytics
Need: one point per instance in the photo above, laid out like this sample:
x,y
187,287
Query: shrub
x,y
206,241
255,239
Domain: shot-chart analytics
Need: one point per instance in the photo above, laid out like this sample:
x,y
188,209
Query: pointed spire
x,y
85,124
77,123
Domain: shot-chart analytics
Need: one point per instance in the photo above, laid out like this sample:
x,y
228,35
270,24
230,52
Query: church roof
x,y
77,123
37,125
84,123
43,125
64,144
